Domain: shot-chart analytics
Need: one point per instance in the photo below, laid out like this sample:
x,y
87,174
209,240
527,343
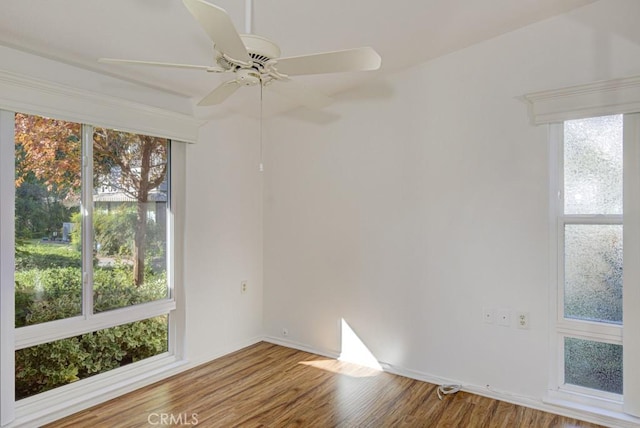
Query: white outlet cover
x,y
488,315
503,318
522,320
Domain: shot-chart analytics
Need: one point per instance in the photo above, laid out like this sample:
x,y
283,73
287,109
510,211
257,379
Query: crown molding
x,y
34,96
601,98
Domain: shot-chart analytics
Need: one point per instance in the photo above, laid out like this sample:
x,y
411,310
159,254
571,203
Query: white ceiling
x,y
404,32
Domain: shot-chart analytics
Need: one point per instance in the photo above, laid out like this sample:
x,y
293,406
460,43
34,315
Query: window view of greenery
x,y
129,252
50,365
129,221
48,277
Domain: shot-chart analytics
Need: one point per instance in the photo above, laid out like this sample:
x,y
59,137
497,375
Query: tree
x,y
47,173
50,151
38,213
135,165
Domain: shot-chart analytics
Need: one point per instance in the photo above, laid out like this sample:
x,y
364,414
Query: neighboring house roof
x,y
154,196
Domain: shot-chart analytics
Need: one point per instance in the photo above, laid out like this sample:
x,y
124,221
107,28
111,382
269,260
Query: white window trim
x,y
80,392
561,327
616,96
87,235
36,334
68,399
560,394
7,268
39,97
631,274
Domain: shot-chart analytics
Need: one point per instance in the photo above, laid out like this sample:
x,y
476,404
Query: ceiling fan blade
x,y
159,64
301,94
359,59
218,25
221,93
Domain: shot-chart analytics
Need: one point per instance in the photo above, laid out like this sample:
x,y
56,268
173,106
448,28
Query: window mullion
x,y
591,329
556,202
61,329
87,221
592,219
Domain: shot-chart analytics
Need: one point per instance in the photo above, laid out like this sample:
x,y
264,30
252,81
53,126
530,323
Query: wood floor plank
x,y
266,385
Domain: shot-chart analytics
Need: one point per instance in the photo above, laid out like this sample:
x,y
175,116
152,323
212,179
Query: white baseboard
x,y
585,413
301,347
69,399
224,351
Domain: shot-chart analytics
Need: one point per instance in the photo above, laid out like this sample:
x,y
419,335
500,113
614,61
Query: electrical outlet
x,y
522,319
504,318
285,332
243,287
487,315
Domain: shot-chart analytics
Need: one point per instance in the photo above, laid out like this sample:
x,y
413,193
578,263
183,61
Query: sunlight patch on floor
x,y
342,367
356,360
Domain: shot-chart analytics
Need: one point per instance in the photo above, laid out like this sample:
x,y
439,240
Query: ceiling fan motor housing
x,y
260,49
248,77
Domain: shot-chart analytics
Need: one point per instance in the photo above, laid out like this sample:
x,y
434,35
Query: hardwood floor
x,y
266,385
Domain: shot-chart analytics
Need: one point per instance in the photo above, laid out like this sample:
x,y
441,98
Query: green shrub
x,y
113,288
45,293
50,365
44,367
36,255
114,230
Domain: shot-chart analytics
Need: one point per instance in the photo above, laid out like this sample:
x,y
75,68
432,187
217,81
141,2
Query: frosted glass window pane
x,y
594,365
593,272
593,165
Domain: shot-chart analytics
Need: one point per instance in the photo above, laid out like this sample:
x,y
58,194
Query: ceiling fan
x,y
255,60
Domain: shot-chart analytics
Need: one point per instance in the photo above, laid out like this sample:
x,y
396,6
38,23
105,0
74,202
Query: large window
x,y
595,245
591,205
65,282
92,284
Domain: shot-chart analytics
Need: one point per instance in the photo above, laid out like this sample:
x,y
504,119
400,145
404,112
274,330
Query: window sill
x,y
66,400
592,409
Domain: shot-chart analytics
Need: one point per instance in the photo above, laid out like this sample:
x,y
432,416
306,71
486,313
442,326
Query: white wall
x,y
223,239
427,200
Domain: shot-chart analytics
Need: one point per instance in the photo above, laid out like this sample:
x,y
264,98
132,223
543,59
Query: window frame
x,y
561,327
88,320
93,388
7,268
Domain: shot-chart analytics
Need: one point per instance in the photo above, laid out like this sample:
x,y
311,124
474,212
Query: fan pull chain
x,y
261,156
